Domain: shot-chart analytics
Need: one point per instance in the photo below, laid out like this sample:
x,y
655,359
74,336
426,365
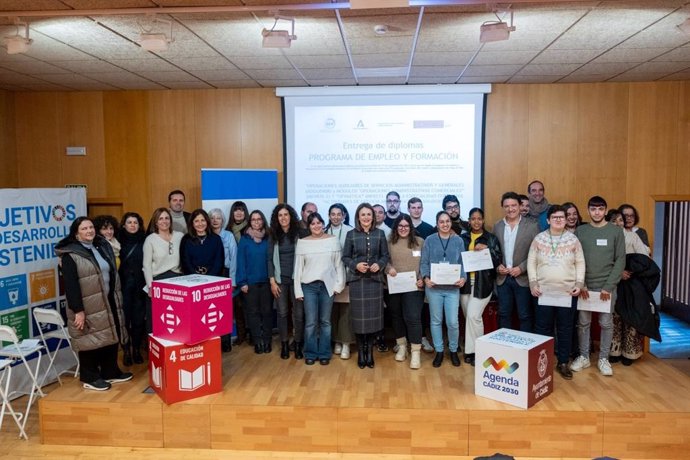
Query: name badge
x,y
416,253
602,242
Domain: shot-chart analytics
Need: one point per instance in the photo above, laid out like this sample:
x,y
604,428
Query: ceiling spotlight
x,y
155,41
278,38
494,31
17,44
685,27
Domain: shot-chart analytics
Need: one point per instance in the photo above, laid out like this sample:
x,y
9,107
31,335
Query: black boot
x,y
361,351
267,346
299,350
438,359
370,350
126,356
136,356
284,350
258,348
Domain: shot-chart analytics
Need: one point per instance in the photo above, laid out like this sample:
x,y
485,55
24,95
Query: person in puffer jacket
x,y
94,315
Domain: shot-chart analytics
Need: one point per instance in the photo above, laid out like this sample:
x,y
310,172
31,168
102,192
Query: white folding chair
x,y
19,351
47,316
6,375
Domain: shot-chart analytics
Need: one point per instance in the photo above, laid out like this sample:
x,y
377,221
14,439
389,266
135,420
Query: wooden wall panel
x,y
550,433
637,434
218,129
506,146
171,147
38,140
553,136
8,147
601,156
80,124
262,132
683,154
652,147
125,119
626,141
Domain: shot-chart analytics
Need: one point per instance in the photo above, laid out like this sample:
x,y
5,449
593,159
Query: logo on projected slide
x,y
329,123
502,364
212,317
170,319
360,125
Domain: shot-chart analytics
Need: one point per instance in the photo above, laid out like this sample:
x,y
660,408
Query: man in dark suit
x,y
515,235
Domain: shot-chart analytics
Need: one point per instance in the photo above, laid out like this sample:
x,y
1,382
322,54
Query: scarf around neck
x,y
256,235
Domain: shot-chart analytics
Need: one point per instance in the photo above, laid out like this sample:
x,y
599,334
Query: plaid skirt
x,y
366,306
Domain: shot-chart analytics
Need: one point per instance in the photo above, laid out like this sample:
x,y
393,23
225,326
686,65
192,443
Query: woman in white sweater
x,y
556,271
161,253
318,276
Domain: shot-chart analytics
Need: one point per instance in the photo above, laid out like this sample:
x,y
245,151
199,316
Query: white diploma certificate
x,y
594,303
555,298
402,282
475,261
445,273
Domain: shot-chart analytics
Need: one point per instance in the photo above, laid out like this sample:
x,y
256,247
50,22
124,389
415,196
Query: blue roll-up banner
x,y
258,188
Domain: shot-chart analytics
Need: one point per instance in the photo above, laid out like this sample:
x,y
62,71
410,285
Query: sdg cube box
x,y
192,308
514,367
179,372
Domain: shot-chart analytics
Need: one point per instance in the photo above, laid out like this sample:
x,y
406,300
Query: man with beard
x,y
393,207
307,208
176,201
451,205
538,204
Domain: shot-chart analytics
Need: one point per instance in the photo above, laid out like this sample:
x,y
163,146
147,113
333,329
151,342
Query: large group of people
x,y
328,278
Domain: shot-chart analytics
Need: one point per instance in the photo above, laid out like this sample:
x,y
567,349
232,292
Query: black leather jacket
x,y
484,280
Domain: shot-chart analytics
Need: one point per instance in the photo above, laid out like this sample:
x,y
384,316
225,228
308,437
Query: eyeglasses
x,y
631,216
392,201
557,217
170,248
257,219
403,226
453,208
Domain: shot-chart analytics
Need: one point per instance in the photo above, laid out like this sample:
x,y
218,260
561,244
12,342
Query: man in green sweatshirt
x,y
603,245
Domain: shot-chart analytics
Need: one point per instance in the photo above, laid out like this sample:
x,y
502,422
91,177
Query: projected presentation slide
x,y
358,148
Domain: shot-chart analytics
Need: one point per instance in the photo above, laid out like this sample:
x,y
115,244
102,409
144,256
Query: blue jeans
x,y
317,320
510,294
444,301
563,316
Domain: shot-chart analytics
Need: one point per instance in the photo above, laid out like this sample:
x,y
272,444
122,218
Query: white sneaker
x,y
345,351
338,348
396,347
581,362
605,367
426,346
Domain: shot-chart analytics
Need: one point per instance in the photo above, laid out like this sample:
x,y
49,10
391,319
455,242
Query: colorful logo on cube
x,y
502,364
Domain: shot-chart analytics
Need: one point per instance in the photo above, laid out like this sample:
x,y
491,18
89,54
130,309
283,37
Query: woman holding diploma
x,y
556,270
365,254
319,274
440,258
475,295
405,250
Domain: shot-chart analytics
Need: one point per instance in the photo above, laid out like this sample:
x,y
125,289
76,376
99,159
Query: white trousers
x,y
473,309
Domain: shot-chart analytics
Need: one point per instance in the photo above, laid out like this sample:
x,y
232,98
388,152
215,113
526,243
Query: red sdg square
x,y
191,309
178,372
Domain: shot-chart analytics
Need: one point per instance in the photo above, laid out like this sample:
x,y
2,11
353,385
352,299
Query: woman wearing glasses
x,y
161,254
252,279
556,270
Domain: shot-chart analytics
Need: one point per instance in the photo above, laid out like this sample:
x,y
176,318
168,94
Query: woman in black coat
x,y
131,236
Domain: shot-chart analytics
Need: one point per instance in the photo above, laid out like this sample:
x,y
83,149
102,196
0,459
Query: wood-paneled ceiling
x,y
431,42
